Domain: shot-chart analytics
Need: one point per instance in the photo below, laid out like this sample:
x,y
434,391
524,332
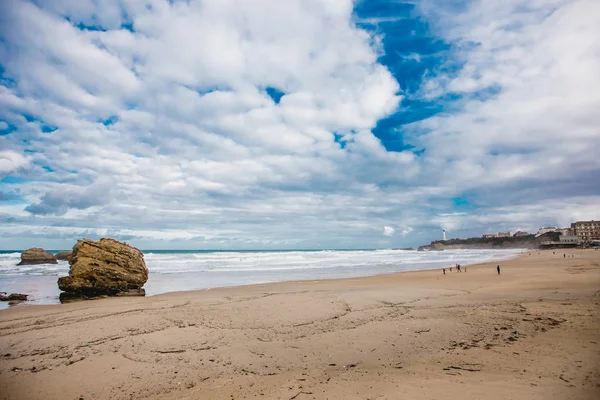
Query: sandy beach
x,y
530,333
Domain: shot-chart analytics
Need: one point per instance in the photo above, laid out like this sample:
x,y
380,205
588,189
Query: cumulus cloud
x,y
61,200
11,161
406,231
124,125
527,111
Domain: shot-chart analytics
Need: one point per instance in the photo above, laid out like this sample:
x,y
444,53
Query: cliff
x,y
521,242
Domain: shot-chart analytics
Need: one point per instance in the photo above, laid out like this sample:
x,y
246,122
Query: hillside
x,y
521,242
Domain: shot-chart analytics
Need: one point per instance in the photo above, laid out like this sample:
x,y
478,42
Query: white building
x,y
503,234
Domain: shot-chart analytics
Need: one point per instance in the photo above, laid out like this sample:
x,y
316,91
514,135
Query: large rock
x,y
104,268
36,256
62,255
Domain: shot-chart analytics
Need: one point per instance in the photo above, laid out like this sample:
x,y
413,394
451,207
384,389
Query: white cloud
x,y
406,231
542,77
11,161
166,131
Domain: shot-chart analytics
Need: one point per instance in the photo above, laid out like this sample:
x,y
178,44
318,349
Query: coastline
x,y
418,334
43,290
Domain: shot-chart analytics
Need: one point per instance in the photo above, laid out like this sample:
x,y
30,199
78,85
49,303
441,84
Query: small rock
x,y
14,297
63,255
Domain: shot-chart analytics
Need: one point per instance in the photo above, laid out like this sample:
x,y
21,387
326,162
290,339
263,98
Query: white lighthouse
x,y
444,233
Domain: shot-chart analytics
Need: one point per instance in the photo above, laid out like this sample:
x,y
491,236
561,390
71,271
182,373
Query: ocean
x,y
172,271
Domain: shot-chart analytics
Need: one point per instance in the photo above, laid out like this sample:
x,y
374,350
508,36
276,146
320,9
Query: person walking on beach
x,y
444,269
458,267
498,269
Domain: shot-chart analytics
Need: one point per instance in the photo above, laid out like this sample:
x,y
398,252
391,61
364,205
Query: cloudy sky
x,y
295,124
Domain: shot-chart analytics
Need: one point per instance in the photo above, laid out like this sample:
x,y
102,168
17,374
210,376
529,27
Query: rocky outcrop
x,y
36,256
62,255
104,268
13,297
520,242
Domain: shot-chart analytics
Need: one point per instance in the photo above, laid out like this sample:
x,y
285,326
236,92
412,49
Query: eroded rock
x,y
35,256
63,255
13,297
104,268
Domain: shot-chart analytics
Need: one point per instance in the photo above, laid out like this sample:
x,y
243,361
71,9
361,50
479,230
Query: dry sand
x,y
531,333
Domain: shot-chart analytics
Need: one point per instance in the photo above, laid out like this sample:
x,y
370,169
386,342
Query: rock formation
x,y
36,256
13,297
104,268
62,255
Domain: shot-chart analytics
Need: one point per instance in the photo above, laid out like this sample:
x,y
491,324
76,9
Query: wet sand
x,y
531,333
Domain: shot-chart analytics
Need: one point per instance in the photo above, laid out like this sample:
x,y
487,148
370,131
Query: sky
x,y
297,124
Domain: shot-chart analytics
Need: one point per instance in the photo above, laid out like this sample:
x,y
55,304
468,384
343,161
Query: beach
x,y
177,271
530,333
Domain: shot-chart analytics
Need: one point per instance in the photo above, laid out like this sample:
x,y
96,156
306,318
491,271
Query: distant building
x,y
586,230
489,235
546,229
566,231
520,233
503,234
568,239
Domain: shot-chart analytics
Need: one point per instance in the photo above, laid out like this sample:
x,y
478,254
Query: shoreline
x,y
158,277
529,333
349,279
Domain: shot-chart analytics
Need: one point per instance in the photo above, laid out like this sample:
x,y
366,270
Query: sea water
x,y
172,271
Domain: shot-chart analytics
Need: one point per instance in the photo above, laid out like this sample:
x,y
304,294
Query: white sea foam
x,y
177,271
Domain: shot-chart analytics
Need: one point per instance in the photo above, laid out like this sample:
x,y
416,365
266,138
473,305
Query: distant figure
x,y
444,269
458,267
564,256
498,269
465,269
553,252
450,269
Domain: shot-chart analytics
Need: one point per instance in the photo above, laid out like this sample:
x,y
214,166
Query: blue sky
x,y
299,124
